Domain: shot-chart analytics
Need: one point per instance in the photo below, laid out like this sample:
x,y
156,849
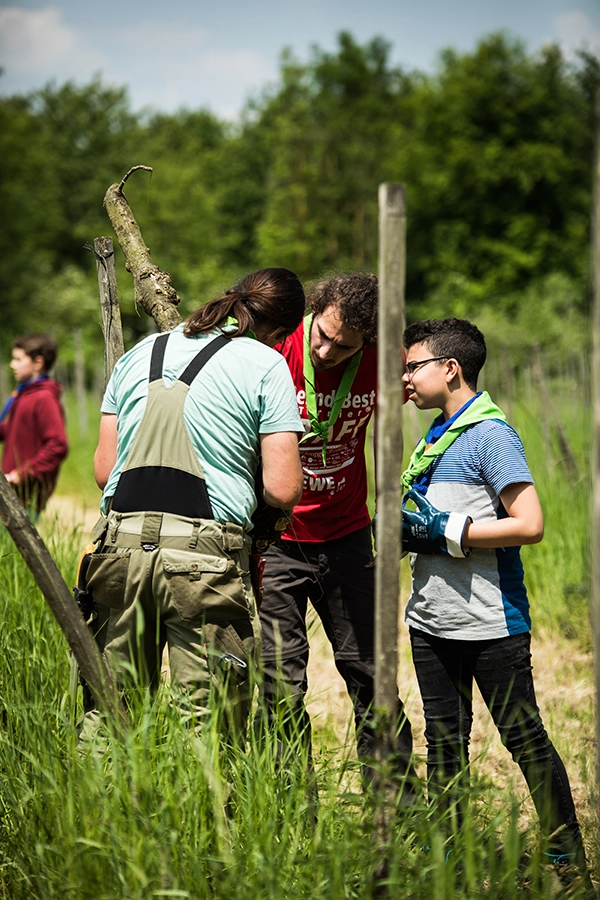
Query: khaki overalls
x,y
186,578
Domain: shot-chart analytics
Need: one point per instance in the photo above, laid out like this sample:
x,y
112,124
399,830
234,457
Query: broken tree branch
x,y
133,169
153,288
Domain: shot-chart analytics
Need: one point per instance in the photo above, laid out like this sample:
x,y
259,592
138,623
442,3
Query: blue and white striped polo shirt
x,y
482,596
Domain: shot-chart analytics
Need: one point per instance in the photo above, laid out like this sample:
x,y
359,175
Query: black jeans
x,y
339,580
502,671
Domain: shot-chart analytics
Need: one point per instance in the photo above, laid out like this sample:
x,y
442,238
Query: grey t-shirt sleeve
x,y
501,457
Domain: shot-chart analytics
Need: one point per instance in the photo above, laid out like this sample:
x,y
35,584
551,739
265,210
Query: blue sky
x,y
206,53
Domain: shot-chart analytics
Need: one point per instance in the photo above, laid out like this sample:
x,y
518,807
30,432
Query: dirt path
x,y
71,513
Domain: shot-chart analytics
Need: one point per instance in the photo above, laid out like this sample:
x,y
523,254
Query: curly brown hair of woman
x,y
356,298
272,298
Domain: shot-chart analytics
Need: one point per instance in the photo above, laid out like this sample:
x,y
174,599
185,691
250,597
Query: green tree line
x,y
495,149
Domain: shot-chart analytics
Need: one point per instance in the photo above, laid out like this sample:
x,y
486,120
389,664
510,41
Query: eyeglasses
x,y
412,367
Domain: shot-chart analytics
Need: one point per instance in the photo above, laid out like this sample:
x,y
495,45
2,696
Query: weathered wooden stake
x,y
60,599
595,512
389,444
109,303
392,227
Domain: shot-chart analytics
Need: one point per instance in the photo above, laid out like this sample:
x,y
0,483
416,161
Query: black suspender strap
x,y
158,489
157,358
202,358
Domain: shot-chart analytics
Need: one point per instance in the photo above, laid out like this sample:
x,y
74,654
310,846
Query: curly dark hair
x,y
451,338
356,298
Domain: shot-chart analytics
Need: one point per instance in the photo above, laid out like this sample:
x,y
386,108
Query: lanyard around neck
x,y
321,429
232,322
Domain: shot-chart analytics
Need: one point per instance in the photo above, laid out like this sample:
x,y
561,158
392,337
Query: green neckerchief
x,y
481,408
321,429
231,321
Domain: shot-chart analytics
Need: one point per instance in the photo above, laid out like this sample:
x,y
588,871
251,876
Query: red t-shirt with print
x,y
334,497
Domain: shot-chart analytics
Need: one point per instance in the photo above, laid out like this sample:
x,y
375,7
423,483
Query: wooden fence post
x,y
595,462
109,302
392,227
389,446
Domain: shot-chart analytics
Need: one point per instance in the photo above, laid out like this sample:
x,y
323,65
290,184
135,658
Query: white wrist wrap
x,y
453,533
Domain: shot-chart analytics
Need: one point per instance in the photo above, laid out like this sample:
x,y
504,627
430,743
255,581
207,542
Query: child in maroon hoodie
x,y
32,423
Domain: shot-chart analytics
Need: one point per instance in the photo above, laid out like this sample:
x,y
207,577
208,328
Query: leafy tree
x,y
30,210
329,131
87,133
61,148
176,205
498,173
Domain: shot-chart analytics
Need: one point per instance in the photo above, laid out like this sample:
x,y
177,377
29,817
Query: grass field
x,y
166,814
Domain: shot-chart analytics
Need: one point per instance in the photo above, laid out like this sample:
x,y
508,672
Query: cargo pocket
x,y
106,578
230,646
203,586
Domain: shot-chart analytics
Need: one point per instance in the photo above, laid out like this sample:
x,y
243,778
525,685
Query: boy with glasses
x,y
468,612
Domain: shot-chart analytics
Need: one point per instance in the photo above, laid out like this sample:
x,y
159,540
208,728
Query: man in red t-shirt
x,y
326,553
32,423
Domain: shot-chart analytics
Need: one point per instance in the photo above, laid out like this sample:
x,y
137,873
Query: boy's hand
x,y
427,530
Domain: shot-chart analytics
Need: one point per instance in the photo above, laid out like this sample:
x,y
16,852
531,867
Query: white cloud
x,y
32,42
575,30
161,39
167,65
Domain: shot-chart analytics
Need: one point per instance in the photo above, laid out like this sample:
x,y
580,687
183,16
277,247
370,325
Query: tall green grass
x,y
163,813
557,571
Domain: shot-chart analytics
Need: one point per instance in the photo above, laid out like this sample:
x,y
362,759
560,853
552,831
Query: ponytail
x,y
272,297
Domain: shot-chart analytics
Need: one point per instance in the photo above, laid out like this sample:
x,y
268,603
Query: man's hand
x,y
13,477
427,530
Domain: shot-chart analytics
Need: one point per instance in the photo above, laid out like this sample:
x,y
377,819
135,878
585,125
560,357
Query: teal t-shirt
x,y
245,390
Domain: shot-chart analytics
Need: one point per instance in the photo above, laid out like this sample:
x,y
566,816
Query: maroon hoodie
x,y
35,441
